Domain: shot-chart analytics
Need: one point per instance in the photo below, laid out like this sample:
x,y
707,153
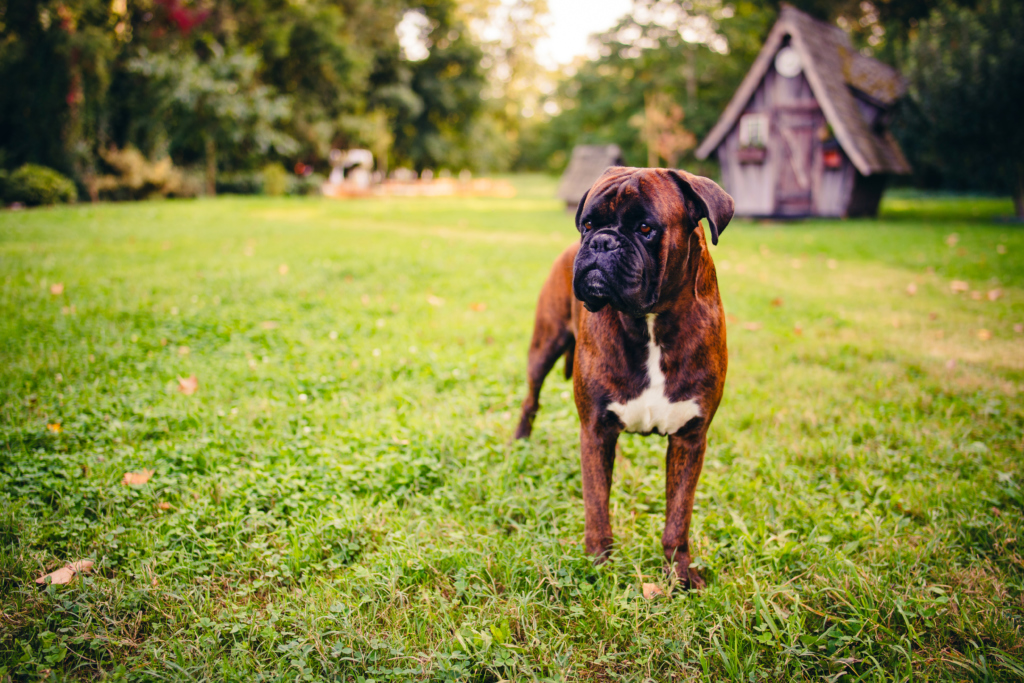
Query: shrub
x,y
240,182
35,185
275,180
137,177
308,185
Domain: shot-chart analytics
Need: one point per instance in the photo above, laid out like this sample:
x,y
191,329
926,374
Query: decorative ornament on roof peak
x,y
788,62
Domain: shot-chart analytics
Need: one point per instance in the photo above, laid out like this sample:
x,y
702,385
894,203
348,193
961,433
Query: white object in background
x,y
788,62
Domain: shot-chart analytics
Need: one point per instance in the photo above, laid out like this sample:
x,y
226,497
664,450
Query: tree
x,y
966,76
690,54
435,103
219,102
225,83
56,60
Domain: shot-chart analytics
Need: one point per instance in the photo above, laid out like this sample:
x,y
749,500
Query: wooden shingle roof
x,y
834,70
586,165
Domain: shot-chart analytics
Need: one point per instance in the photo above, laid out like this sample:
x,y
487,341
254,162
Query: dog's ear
x,y
579,209
712,202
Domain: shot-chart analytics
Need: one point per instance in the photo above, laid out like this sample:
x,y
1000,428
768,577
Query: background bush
x,y
241,182
34,185
307,185
275,180
137,177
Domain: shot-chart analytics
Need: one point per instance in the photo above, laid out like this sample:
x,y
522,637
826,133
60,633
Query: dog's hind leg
x,y
552,336
551,339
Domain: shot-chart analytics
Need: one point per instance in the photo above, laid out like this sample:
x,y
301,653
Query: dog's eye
x,y
588,225
645,229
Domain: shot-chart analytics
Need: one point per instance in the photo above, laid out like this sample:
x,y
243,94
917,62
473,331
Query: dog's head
x,y
634,222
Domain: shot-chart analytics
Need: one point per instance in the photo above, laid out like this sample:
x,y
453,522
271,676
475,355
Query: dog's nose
x,y
604,242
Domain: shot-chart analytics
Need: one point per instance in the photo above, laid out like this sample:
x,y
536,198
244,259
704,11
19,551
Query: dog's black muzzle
x,y
610,271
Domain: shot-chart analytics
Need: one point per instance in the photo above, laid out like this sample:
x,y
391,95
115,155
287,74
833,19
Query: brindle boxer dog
x,y
635,310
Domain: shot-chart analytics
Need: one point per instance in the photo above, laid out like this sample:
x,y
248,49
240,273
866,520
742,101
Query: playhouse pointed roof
x,y
586,165
835,72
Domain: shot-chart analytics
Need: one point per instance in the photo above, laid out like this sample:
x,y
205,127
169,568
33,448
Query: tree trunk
x,y
211,166
1018,191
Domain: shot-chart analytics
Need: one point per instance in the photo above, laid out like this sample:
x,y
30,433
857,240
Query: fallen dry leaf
x,y
136,478
832,264
731,319
959,286
651,591
984,335
188,385
66,573
911,289
164,505
976,295
57,288
184,350
1000,248
994,294
435,300
933,315
777,302
952,239
479,307
268,325
796,263
951,363
1018,328
753,327
55,427
283,269
798,330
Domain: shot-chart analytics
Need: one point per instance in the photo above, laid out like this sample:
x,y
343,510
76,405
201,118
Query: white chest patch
x,y
652,411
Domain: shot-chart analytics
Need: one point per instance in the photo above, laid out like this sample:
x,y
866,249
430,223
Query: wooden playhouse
x,y
806,132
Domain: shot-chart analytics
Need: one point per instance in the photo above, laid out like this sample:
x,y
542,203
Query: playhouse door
x,y
794,144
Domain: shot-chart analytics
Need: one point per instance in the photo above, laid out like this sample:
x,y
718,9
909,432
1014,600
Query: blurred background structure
x,y
138,98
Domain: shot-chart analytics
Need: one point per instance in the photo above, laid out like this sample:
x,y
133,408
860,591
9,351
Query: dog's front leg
x,y
597,458
683,464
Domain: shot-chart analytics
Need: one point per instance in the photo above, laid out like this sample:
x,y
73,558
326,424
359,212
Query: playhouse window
x,y
754,130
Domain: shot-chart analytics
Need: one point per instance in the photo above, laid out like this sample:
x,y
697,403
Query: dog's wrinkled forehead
x,y
632,193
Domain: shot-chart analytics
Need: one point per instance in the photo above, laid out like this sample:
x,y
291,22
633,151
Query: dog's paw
x,y
600,550
688,577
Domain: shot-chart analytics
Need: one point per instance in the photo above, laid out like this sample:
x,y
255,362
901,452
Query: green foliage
x,y
240,182
343,500
37,185
220,98
306,186
275,180
136,177
641,58
241,85
961,127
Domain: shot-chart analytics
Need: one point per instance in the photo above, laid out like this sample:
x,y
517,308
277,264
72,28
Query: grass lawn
x,y
339,499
